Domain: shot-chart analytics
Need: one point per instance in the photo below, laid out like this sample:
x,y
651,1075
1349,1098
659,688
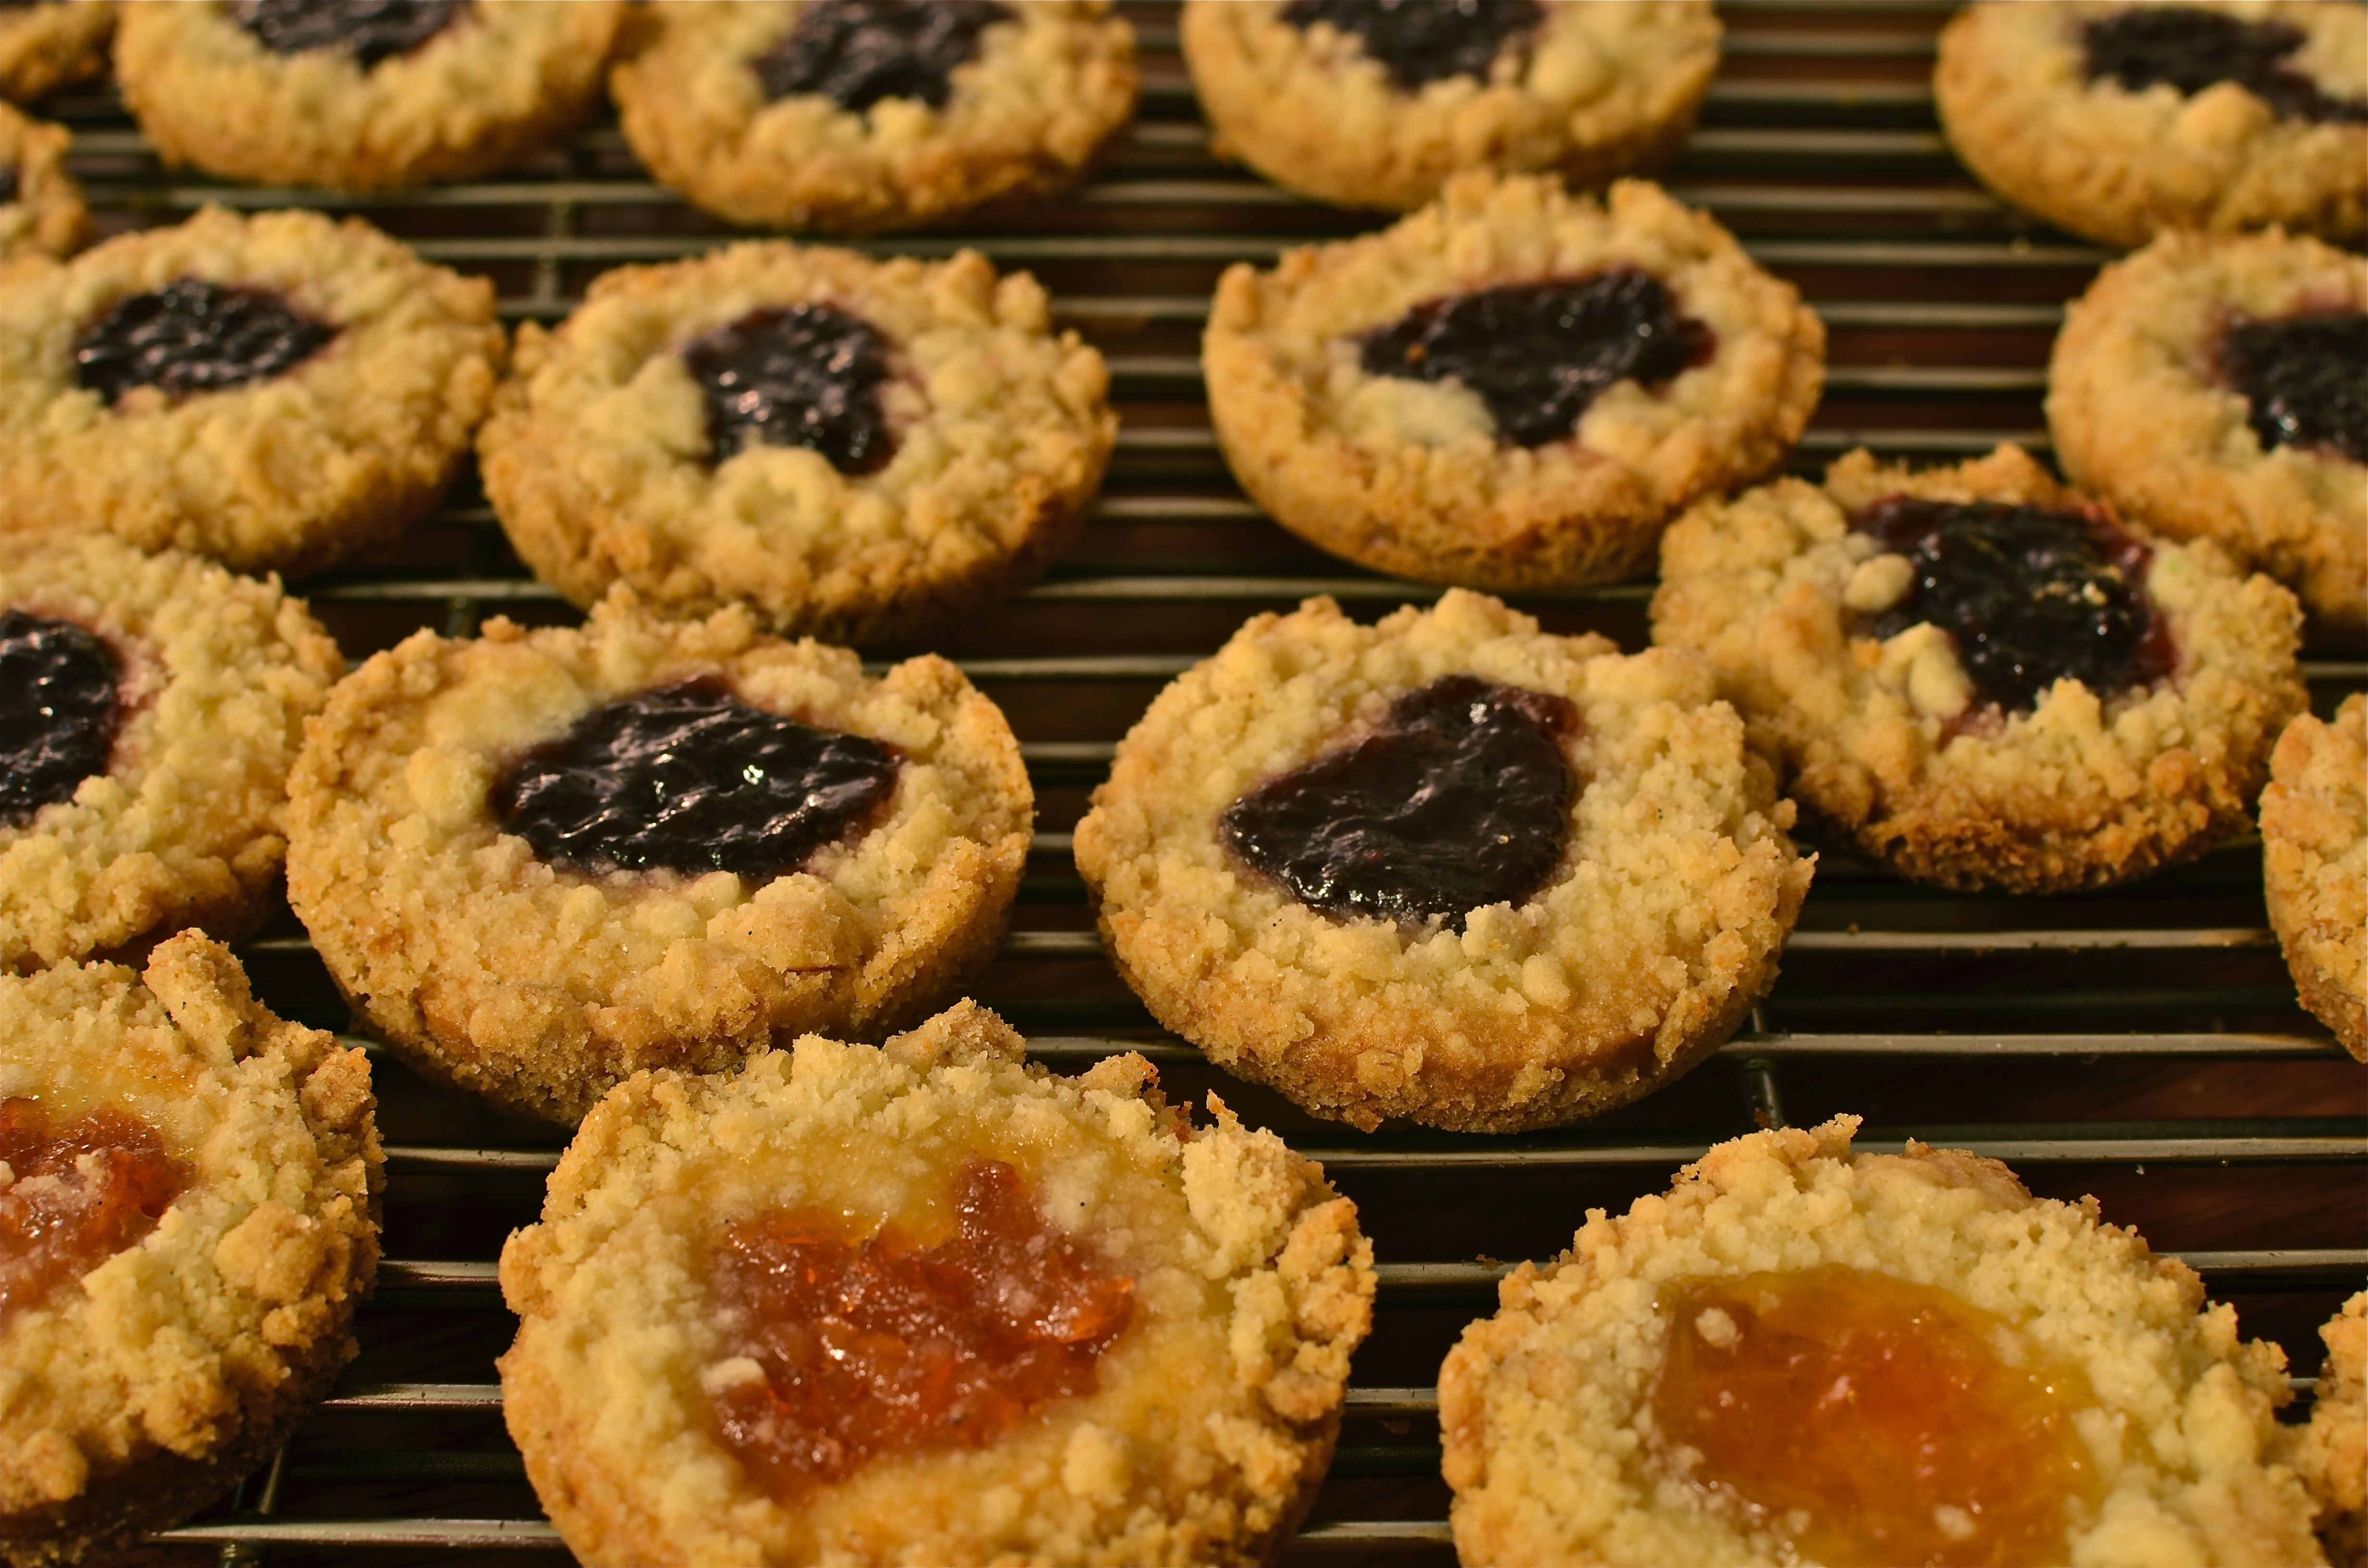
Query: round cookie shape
x,y
2332,1453
858,115
361,98
177,1351
2089,114
2314,865
1630,358
1365,104
51,44
181,818
1671,884
852,449
41,211
1199,1434
1821,634
2201,386
351,444
1565,1416
539,983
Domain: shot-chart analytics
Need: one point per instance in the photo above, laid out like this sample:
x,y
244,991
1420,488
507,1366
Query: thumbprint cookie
x,y
274,391
1446,868
1514,389
2332,1453
151,707
41,211
360,96
1981,678
1807,1354
2314,865
188,1216
52,43
538,862
2119,121
854,115
1379,103
853,449
923,1303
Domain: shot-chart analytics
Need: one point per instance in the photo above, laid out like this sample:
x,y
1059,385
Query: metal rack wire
x,y
2088,1040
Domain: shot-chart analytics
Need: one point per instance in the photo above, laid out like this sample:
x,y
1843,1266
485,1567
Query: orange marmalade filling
x,y
1871,1421
76,1195
881,1346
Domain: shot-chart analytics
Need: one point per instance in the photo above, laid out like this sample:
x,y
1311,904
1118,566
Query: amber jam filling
x,y
1420,41
78,1194
856,52
882,1346
1870,1421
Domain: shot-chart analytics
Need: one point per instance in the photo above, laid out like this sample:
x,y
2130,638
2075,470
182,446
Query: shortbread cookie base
x,y
2314,865
52,43
46,216
2332,1453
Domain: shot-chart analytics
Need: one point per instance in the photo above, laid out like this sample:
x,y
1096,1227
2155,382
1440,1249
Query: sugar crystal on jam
x,y
194,335
371,30
59,710
1421,41
856,52
2191,49
2305,379
796,376
78,1194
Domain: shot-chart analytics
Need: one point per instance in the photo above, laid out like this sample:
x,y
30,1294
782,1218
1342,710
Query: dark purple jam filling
x,y
2306,378
1421,41
58,711
1458,802
193,336
371,30
7,184
2192,49
687,779
2028,595
796,376
856,52
1539,353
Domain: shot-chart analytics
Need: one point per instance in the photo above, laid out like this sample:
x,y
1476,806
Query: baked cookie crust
x,y
1880,741
188,824
50,43
1216,1410
2314,865
2332,1453
181,1362
505,79
1411,477
1595,91
539,988
1052,82
1658,928
287,473
1543,1406
2119,166
44,215
598,456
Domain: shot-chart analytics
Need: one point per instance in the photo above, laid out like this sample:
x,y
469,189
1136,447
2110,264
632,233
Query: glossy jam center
x,y
801,375
1539,353
1461,799
59,710
2028,595
881,1346
2306,378
193,336
1871,1421
371,30
856,52
2191,49
1420,42
77,1195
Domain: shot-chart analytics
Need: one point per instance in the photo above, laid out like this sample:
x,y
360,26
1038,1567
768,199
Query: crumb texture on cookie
x,y
1213,1413
41,212
50,43
2332,1453
1547,1409
2314,865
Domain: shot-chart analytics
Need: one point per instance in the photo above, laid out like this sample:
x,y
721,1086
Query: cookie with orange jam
x,y
927,1303
1801,1353
187,1219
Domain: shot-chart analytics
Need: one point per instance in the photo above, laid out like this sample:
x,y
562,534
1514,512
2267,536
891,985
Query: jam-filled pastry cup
x,y
855,450
1981,678
1446,868
1801,1353
2314,865
41,211
1514,389
2332,1453
855,116
188,1216
151,707
360,96
2217,385
2119,121
51,44
1366,104
275,391
538,862
924,1303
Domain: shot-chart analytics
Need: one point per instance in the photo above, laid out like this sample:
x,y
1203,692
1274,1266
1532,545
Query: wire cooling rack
x,y
2140,1044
